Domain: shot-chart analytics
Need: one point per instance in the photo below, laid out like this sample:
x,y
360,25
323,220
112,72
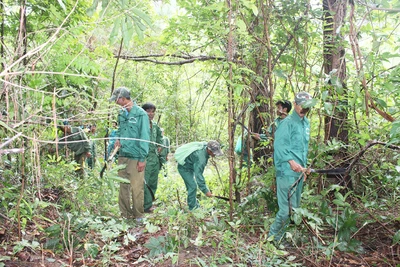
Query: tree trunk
x,y
335,68
2,11
262,94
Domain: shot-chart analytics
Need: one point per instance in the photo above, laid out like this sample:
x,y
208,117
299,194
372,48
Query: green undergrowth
x,y
81,220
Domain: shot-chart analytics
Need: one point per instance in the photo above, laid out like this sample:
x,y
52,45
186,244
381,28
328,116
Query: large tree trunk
x,y
260,121
335,68
262,93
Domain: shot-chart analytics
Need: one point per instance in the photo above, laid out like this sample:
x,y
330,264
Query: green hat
x,y
120,92
303,99
215,148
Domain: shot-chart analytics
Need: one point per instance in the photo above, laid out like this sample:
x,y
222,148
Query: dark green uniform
x,y
134,136
92,160
192,174
152,166
242,147
291,143
80,149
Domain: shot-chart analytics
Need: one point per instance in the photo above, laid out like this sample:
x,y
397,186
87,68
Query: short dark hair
x,y
148,106
285,104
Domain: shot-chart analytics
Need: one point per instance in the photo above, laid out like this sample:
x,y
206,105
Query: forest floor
x,y
379,251
376,239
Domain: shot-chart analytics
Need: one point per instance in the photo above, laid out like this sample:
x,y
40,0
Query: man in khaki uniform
x,y
133,137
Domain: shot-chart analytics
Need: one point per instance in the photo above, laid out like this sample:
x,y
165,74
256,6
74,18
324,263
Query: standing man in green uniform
x,y
75,139
152,161
192,158
133,136
290,159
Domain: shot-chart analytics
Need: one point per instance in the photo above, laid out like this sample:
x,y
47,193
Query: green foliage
x,y
395,132
67,74
128,18
156,246
20,245
396,238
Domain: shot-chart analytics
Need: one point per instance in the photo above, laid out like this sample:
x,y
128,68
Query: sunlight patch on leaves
x,y
151,228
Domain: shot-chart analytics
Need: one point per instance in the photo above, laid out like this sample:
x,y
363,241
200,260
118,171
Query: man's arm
x,y
282,144
159,138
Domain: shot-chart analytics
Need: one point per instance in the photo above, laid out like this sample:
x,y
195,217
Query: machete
x,y
112,155
225,198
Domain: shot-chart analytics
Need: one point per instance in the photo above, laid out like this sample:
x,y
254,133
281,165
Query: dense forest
x,y
214,70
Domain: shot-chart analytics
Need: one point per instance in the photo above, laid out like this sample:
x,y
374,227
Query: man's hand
x,y
209,194
88,155
117,143
295,166
141,166
256,136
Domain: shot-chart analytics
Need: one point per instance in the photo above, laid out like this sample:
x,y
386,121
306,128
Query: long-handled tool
x,y
291,192
293,188
329,171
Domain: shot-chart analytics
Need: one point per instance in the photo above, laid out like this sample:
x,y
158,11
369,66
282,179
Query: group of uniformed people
x,y
143,150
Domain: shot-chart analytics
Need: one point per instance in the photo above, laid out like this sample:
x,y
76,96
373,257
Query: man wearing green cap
x,y
290,160
192,158
132,137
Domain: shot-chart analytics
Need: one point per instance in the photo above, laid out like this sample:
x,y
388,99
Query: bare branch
x,y
187,59
11,151
10,140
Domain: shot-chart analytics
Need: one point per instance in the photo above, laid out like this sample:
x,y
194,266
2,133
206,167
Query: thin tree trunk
x,y
2,10
231,108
